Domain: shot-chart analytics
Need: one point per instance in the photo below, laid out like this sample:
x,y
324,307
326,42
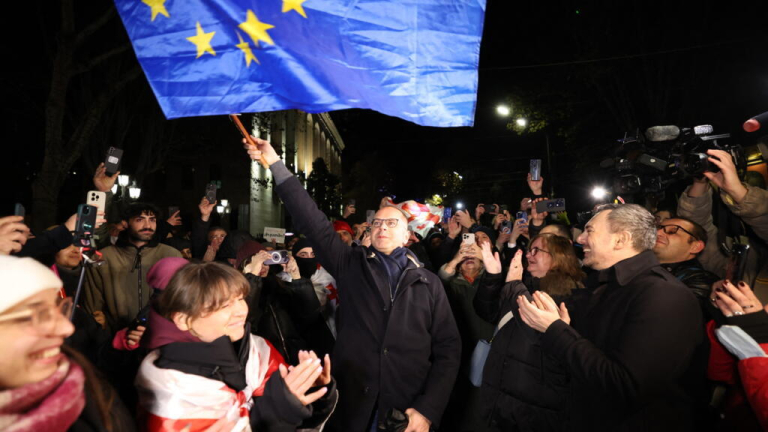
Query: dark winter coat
x,y
629,354
400,352
524,388
280,312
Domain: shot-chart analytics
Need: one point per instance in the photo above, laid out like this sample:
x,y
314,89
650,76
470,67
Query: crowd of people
x,y
496,320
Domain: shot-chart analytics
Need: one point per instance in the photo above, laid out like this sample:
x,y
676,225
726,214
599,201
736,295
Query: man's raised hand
x,y
262,148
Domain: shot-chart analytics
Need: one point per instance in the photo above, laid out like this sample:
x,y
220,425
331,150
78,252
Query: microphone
x,y
755,122
662,133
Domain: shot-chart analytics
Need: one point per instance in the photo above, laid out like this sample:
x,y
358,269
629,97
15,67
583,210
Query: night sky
x,y
592,71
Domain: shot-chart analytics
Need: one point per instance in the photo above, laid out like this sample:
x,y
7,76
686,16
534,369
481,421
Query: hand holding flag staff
x,y
414,60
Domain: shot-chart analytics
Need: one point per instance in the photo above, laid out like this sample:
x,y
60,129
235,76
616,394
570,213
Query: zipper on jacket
x,y
280,333
397,287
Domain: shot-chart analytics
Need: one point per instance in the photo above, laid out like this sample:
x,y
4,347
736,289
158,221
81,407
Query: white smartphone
x,y
98,200
468,238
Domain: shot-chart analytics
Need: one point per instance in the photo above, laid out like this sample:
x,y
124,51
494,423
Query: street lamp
x,y
114,189
225,203
503,110
134,191
123,180
521,122
220,209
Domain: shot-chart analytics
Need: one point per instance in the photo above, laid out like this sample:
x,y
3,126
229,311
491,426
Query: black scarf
x,y
395,263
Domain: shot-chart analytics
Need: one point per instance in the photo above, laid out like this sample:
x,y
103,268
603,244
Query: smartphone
x,y
447,214
140,320
552,205
488,208
112,162
467,238
210,193
172,210
86,222
737,263
369,215
503,208
19,210
522,215
535,169
277,257
98,200
506,227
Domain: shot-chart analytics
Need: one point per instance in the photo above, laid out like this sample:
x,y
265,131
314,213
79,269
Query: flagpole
x,y
236,120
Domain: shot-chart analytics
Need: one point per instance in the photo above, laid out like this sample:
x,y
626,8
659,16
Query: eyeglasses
x,y
534,251
672,229
391,223
42,317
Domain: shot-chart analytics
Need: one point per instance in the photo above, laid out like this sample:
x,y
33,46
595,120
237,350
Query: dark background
x,y
583,73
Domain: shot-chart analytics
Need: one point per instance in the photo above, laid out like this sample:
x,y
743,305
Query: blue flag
x,y
414,59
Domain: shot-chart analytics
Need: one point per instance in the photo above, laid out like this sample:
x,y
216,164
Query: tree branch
x,y
83,35
82,134
100,59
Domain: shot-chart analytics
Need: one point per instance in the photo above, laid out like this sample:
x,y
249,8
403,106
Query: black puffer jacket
x,y
523,389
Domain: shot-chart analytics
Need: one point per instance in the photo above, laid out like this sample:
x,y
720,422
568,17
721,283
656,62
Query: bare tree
x,y
68,131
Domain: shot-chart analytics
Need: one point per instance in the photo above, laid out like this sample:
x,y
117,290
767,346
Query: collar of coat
x,y
624,271
372,254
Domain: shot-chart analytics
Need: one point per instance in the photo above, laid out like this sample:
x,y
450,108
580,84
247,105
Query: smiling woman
x,y
206,369
43,384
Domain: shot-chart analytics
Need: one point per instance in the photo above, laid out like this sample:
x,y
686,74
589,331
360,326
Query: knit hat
x,y
247,250
299,245
22,278
489,232
343,226
162,272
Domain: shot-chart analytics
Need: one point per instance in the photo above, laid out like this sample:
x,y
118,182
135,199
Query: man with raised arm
x,y
397,346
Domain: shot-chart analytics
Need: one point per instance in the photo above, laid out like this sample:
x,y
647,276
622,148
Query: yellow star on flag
x,y
202,41
158,7
256,29
243,45
295,5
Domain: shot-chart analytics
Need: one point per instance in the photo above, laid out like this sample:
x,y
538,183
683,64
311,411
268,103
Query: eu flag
x,y
414,59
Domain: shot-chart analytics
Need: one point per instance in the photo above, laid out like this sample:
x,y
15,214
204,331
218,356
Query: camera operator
x,y
747,202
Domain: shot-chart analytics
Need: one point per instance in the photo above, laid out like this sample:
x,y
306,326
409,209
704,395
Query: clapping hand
x,y
542,312
304,376
490,259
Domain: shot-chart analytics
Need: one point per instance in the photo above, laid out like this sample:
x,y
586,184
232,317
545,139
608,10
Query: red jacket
x,y
748,381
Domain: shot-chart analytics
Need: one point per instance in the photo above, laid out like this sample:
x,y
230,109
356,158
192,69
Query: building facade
x,y
300,138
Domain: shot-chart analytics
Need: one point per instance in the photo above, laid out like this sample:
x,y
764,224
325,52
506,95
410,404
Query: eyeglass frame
x,y
535,250
64,306
662,227
382,222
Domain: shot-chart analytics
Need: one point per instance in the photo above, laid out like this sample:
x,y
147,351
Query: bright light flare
x,y
599,193
503,110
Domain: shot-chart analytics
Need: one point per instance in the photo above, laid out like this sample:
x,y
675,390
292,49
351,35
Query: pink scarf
x,y
52,404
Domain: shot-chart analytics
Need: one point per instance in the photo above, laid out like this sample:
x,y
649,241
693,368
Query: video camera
x,y
650,163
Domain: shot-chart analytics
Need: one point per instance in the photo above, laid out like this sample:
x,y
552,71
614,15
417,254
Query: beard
x,y
143,235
